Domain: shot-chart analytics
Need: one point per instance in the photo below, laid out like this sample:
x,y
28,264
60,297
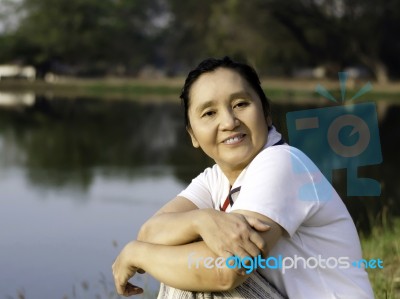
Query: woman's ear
x,y
194,140
269,121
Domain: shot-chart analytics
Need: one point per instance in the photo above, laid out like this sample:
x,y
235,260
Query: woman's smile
x,y
234,139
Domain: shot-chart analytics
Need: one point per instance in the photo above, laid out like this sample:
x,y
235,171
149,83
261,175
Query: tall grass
x,y
384,243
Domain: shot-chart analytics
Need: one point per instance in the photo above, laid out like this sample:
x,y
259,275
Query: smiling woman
x,y
227,120
262,198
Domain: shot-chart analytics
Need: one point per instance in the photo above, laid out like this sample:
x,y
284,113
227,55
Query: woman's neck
x,y
232,175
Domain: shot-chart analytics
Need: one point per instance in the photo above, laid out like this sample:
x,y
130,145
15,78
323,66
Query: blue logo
x,y
340,137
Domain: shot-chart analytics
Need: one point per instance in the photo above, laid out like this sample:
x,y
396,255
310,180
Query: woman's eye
x,y
208,113
241,105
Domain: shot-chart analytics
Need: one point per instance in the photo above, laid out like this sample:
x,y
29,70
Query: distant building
x,y
17,71
310,73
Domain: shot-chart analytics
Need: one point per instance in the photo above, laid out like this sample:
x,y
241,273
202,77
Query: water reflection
x,y
13,99
53,240
81,175
62,143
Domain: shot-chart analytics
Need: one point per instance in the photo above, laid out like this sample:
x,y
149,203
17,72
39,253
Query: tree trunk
x,y
378,68
381,72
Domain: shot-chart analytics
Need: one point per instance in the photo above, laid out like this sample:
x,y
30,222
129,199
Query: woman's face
x,y
226,119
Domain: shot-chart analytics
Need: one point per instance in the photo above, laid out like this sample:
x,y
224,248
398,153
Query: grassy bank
x,y
100,89
384,244
169,88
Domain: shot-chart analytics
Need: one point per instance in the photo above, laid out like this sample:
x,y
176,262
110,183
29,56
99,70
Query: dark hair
x,y
211,64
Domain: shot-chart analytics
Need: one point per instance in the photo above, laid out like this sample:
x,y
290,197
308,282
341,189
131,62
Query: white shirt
x,y
283,184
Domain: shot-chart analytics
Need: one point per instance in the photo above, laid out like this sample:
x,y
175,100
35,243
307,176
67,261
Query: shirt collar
x,y
273,137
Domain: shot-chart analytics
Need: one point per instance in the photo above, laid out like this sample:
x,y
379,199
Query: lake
x,y
78,177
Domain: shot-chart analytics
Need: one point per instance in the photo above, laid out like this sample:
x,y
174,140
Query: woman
x,y
262,198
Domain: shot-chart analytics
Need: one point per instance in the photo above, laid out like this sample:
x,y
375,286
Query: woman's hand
x,y
228,234
123,269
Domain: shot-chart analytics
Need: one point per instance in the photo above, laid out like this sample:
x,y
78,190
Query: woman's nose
x,y
228,120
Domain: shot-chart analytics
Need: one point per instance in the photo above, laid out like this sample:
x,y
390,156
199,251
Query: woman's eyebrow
x,y
204,105
240,94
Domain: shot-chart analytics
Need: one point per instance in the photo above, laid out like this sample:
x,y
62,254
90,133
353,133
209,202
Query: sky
x,y
8,14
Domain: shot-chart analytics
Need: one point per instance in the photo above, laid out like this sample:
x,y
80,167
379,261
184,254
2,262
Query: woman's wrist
x,y
198,218
201,219
134,253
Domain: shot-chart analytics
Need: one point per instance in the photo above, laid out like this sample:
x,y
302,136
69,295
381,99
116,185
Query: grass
x,y
384,243
100,89
280,89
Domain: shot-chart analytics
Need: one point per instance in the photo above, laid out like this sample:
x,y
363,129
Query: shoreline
x,y
280,90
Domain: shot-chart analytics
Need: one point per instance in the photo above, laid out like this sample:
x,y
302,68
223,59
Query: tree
x,y
275,36
343,32
292,33
86,34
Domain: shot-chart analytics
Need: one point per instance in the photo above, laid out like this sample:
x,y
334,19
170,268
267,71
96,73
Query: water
x,y
77,180
53,240
79,177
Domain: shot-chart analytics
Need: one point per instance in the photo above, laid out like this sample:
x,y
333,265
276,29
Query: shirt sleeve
x,y
199,190
280,184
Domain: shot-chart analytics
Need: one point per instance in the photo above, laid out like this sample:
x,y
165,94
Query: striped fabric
x,y
229,199
255,287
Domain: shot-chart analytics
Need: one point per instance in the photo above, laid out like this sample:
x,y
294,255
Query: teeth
x,y
233,140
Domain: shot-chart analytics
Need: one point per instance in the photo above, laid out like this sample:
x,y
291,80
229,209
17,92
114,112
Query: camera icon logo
x,y
340,137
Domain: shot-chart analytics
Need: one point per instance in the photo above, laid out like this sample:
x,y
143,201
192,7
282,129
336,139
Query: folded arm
x,y
181,222
173,224
173,265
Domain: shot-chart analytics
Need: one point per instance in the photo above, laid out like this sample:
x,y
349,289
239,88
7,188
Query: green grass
x,y
279,90
132,89
384,243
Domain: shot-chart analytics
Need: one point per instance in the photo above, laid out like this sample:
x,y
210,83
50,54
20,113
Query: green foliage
x,y
385,245
85,33
120,36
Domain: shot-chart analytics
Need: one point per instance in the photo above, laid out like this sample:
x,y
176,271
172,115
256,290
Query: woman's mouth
x,y
234,139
